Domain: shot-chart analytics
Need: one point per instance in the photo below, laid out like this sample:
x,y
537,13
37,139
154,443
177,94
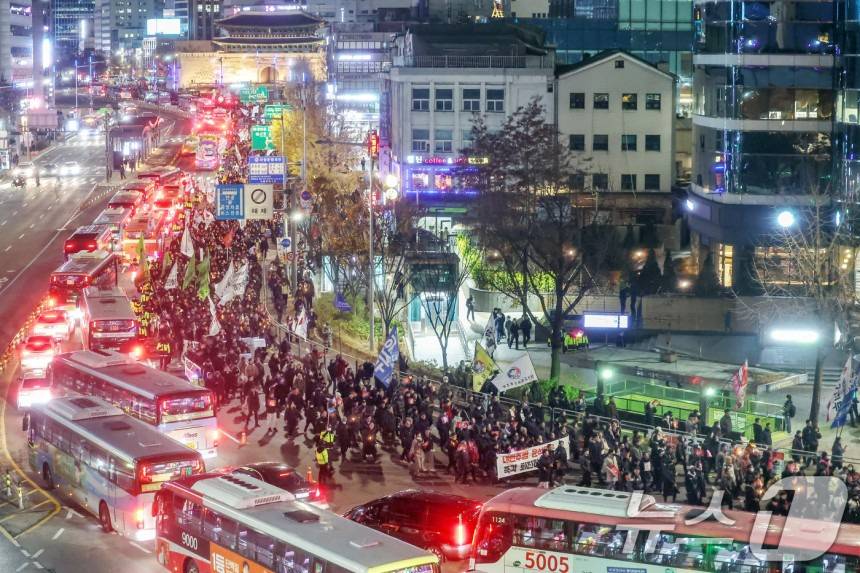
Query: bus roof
x,y
127,373
108,427
113,216
321,532
85,262
559,503
128,196
108,304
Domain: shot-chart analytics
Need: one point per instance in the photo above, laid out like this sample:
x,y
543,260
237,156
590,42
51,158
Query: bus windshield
x,y
189,406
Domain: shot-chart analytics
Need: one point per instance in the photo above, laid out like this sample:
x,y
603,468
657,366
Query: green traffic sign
x,y
276,110
261,137
259,94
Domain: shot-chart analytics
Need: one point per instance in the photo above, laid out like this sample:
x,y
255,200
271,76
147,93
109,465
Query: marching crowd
x,y
294,388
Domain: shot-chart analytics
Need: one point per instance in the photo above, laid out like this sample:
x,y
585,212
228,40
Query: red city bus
x,y
82,270
571,529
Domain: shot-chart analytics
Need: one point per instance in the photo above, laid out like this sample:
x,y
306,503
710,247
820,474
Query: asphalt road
x,y
60,537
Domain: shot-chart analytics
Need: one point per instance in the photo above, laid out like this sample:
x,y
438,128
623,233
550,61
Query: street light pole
x,y
91,83
76,85
372,272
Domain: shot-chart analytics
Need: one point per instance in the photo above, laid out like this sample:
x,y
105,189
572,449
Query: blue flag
x,y
389,356
843,407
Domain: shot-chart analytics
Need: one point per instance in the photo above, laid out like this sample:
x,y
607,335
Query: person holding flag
x,y
483,368
389,356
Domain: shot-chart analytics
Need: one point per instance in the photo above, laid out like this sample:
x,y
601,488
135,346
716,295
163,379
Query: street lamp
x,y
785,219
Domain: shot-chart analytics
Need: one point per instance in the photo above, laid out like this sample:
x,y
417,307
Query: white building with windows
x,y
616,113
441,77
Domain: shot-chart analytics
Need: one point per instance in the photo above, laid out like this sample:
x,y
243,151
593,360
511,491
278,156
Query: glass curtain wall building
x,y
654,30
763,110
67,18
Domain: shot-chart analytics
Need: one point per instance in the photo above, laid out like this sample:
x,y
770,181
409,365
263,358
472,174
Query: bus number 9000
x,y
543,562
189,541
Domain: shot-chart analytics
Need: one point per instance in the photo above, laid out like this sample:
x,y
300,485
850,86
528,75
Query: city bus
x,y
176,407
82,270
107,319
213,523
572,529
107,462
207,152
116,218
149,225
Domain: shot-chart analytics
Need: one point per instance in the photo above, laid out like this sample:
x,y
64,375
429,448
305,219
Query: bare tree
x,y
393,273
546,243
803,274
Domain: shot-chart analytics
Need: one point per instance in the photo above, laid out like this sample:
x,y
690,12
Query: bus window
x,y
265,547
220,530
595,539
665,549
288,559
542,533
188,515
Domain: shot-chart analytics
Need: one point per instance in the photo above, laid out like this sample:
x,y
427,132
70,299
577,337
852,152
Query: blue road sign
x,y
266,170
229,202
285,243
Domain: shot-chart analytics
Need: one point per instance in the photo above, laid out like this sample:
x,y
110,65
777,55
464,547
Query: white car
x,y
37,352
24,170
56,323
33,388
70,168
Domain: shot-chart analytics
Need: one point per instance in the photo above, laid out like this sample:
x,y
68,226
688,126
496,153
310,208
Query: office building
x,y
615,113
359,60
658,32
441,77
763,111
16,41
120,27
71,24
202,15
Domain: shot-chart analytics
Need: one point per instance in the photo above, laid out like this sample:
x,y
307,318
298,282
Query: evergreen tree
x,y
707,283
670,278
649,278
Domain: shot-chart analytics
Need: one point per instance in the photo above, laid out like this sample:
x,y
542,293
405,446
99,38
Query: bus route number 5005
x,y
544,562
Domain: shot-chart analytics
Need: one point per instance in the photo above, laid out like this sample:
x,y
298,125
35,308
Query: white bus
x,y
573,529
216,523
109,463
107,320
176,407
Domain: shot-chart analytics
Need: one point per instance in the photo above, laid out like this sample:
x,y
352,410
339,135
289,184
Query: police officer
x,y
324,475
163,349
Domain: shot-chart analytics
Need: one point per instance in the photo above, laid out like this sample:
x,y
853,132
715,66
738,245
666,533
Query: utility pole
x,y
76,87
91,83
372,267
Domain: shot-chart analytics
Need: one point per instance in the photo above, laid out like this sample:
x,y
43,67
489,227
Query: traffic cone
x,y
310,476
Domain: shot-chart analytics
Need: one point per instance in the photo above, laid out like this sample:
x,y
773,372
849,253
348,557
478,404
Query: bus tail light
x,y
214,435
138,517
460,533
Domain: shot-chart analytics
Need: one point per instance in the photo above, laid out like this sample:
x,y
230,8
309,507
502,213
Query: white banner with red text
x,y
521,461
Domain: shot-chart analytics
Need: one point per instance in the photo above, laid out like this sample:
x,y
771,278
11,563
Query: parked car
x,y
280,475
439,522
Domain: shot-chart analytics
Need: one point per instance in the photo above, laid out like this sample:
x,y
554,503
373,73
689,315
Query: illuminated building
x,y
441,76
256,47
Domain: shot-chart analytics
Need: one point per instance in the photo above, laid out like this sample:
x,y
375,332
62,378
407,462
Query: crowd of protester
x,y
292,388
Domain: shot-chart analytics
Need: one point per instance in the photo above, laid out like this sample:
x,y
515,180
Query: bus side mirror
x,y
25,423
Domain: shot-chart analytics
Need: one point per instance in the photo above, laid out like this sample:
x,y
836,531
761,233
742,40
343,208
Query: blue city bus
x,y
107,462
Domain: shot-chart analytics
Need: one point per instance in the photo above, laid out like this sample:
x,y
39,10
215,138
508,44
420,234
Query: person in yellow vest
x,y
324,475
163,349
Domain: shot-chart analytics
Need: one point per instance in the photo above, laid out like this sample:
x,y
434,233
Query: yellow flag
x,y
483,367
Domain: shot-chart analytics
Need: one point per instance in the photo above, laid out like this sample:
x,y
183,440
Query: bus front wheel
x,y
104,518
47,477
191,566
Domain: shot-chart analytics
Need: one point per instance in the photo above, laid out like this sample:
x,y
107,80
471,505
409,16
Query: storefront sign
x,y
439,160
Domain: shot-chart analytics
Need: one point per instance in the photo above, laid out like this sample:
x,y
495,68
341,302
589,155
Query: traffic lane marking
x,y
22,566
144,549
58,533
37,553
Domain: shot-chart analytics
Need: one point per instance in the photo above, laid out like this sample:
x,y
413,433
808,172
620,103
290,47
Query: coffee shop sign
x,y
437,160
